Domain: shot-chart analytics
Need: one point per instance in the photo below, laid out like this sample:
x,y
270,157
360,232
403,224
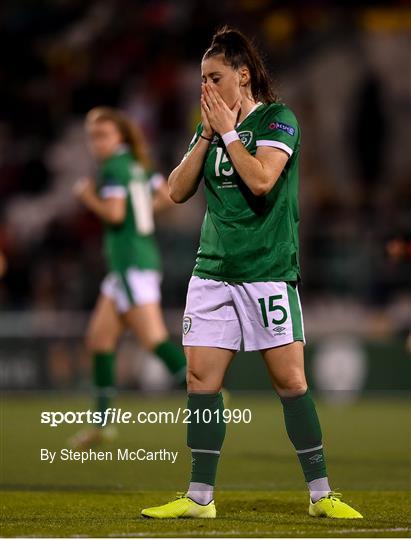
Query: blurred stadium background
x,y
346,74
345,71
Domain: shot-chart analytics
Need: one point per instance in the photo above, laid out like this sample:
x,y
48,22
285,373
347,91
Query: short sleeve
x,y
114,179
279,129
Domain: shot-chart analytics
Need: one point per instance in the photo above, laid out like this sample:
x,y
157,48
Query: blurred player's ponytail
x,y
238,51
130,132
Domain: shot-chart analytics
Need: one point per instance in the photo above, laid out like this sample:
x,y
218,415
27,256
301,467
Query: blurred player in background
x,y
124,196
244,283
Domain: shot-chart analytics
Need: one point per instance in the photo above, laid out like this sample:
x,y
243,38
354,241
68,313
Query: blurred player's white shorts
x,y
134,287
259,314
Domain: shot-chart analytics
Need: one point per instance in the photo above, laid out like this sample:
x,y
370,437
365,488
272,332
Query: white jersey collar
x,y
249,112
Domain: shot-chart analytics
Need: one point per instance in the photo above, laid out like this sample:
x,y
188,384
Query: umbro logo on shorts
x,y
186,324
279,330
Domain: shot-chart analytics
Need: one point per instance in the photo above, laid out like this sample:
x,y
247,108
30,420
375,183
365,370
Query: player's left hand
x,y
84,188
220,116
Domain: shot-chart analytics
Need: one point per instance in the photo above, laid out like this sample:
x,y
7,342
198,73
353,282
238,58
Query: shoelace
x,y
334,496
179,495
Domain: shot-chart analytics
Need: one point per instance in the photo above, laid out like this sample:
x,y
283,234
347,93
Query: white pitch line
x,y
390,529
186,534
223,534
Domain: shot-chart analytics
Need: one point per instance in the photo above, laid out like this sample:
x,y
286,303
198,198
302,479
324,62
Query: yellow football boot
x,y
331,506
181,507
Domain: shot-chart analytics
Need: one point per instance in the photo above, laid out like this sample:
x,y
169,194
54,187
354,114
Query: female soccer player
x,y
124,196
244,283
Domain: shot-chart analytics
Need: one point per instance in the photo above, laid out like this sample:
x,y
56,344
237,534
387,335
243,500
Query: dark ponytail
x,y
238,51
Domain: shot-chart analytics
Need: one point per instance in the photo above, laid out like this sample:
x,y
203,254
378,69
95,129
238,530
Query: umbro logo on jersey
x,y
245,137
186,324
279,330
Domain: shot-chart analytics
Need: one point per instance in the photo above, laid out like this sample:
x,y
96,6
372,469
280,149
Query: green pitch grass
x,y
260,487
240,513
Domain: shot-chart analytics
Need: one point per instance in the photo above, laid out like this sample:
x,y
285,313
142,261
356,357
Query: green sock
x,y
173,357
304,431
205,435
103,365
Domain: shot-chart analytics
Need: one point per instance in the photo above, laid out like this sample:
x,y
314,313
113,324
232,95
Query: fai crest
x,y
186,324
245,137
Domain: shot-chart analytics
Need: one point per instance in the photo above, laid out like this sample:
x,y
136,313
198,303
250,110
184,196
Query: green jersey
x,y
131,243
245,238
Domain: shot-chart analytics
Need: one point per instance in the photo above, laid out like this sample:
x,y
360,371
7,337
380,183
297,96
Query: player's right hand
x,y
207,129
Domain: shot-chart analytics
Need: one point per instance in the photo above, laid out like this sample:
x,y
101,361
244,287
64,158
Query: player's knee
x,y
99,342
151,343
193,380
291,387
197,382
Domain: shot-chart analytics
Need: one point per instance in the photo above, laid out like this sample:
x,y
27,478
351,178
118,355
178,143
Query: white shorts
x,y
262,315
134,287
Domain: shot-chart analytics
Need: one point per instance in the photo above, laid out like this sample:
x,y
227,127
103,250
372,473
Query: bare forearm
x,y
161,199
160,204
98,206
184,179
251,170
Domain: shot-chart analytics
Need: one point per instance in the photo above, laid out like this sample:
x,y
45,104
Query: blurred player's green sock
x,y
103,366
304,431
173,357
205,437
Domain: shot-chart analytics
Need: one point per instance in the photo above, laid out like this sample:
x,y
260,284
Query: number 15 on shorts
x,y
270,305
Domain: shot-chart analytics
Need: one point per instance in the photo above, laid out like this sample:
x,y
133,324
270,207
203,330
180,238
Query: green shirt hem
x,y
124,268
205,275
